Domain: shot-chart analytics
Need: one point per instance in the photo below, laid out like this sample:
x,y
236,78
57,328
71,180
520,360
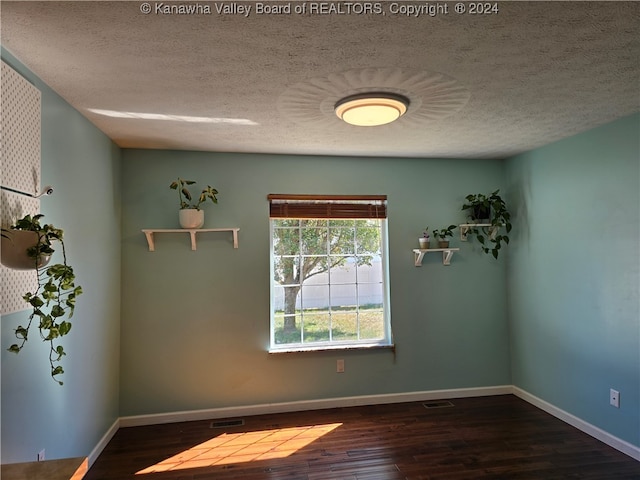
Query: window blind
x,y
327,206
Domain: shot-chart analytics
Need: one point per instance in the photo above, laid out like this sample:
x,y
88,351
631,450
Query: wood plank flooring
x,y
500,437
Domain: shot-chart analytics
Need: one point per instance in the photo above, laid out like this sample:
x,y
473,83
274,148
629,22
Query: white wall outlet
x,y
614,398
340,366
41,455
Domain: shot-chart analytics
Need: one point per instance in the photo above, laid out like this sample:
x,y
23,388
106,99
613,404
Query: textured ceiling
x,y
530,74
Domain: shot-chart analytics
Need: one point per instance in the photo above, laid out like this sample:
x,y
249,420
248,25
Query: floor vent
x,y
227,423
438,404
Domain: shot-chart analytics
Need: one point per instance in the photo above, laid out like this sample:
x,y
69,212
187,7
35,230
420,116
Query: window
x,y
329,285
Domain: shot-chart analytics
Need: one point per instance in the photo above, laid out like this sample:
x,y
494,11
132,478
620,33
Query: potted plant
x,y
190,215
16,245
442,234
424,239
55,296
488,230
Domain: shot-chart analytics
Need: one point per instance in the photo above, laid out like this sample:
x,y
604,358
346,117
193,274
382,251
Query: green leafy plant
x,y
55,296
185,197
443,233
495,209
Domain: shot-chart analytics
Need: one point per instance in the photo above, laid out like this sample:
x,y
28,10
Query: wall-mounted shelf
x,y
447,253
191,231
465,227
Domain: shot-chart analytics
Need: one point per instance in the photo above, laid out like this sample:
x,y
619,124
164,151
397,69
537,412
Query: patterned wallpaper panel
x,y
20,170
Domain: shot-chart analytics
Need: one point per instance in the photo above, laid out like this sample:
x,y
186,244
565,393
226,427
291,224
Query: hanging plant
x,y
494,209
54,299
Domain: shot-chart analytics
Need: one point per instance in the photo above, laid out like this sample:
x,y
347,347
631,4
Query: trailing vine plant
x,y
494,208
55,296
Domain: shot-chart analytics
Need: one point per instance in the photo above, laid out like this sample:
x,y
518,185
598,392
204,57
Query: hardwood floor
x,y
500,437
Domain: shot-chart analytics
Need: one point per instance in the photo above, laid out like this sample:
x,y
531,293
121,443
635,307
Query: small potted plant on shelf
x,y
424,239
28,244
442,234
190,215
489,214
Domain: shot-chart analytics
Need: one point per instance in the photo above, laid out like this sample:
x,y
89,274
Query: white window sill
x,y
324,348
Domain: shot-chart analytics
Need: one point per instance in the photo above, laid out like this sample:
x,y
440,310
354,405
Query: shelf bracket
x,y
447,254
150,240
466,227
446,257
192,234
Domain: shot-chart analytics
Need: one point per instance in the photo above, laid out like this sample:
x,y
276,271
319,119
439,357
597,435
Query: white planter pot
x,y
14,250
424,242
191,218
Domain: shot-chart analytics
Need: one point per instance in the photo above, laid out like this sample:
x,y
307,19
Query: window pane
x,y
343,270
368,240
284,331
370,294
286,241
312,267
314,297
314,237
286,300
343,296
345,325
317,327
277,299
371,324
286,270
341,239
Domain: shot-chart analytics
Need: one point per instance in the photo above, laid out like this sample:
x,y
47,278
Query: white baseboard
x,y
612,441
106,438
283,407
263,409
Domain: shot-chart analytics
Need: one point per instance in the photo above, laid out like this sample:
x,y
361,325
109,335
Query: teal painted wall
x,y
556,318
84,167
573,276
195,325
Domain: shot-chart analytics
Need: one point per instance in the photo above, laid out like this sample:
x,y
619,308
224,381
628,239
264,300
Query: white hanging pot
x,y
191,218
14,250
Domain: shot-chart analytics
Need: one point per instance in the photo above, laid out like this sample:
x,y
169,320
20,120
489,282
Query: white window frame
x,y
385,342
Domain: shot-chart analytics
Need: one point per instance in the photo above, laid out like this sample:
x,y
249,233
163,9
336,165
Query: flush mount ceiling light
x,y
371,109
427,96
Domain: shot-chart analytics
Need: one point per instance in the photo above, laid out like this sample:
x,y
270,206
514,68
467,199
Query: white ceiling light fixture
x,y
426,96
371,109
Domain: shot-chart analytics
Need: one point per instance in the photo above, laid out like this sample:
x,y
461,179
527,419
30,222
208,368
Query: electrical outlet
x,y
614,398
340,366
41,455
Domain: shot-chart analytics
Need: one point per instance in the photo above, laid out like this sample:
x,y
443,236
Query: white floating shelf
x,y
447,253
149,232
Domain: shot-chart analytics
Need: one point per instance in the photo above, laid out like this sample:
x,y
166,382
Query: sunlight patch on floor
x,y
243,447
